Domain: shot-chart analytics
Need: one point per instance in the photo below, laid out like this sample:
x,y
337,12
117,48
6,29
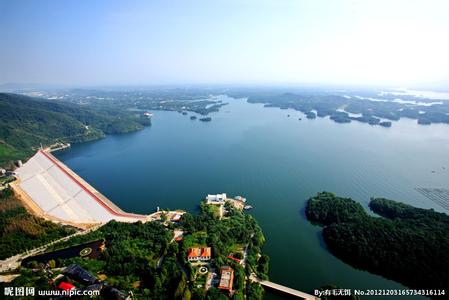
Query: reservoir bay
x,y
277,162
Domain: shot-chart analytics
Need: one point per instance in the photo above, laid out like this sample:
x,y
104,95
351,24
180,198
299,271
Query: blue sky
x,y
259,42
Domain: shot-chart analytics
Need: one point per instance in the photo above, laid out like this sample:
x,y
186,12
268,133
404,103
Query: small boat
x,y
247,207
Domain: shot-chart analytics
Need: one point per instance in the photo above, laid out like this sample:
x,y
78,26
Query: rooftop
x,y
227,277
199,252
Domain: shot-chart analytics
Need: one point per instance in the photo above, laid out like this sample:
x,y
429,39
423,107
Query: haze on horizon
x,y
381,42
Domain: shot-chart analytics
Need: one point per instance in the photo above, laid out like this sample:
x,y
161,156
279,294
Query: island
x,y
374,107
385,124
310,115
206,119
405,244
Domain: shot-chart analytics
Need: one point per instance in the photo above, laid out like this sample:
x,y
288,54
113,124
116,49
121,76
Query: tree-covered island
x,y
406,244
373,107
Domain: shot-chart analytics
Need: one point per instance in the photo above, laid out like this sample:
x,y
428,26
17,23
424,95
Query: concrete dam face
x,y
64,196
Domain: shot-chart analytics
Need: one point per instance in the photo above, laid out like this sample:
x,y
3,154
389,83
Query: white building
x,y
216,199
2,172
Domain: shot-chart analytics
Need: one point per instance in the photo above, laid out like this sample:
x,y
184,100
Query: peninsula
x,y
407,244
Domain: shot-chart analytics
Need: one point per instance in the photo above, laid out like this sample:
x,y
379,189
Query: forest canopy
x,y
26,123
146,259
21,231
407,244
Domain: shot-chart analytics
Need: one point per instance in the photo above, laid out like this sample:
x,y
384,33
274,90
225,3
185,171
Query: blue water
x,y
277,162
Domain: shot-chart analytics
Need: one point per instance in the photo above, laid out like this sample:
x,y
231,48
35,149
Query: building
x,y
176,217
178,235
199,254
66,286
226,279
240,198
216,199
77,273
2,172
239,261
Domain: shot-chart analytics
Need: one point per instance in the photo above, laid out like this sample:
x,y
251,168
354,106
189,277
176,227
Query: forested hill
x,y
26,122
406,244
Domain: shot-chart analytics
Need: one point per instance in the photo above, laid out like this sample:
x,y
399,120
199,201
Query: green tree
x,y
263,266
255,291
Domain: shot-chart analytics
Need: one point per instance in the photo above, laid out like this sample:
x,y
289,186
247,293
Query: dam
x,y
52,190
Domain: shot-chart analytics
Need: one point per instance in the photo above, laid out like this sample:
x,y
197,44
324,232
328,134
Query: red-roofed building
x,y
235,259
199,254
226,279
66,286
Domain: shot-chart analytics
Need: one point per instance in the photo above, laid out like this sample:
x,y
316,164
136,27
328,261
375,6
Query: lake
x,y
75,251
277,162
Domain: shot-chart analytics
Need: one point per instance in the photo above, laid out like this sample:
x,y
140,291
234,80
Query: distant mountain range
x,y
27,122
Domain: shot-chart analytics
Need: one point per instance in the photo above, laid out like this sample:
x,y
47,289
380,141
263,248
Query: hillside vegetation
x,y
342,107
408,244
27,122
20,231
144,257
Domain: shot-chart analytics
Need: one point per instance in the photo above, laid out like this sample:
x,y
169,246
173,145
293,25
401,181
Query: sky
x,y
394,42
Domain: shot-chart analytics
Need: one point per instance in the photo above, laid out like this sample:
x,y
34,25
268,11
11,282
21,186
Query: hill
x,y
27,122
20,231
406,244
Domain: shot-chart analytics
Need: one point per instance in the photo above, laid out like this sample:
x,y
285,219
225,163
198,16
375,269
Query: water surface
x,y
277,162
